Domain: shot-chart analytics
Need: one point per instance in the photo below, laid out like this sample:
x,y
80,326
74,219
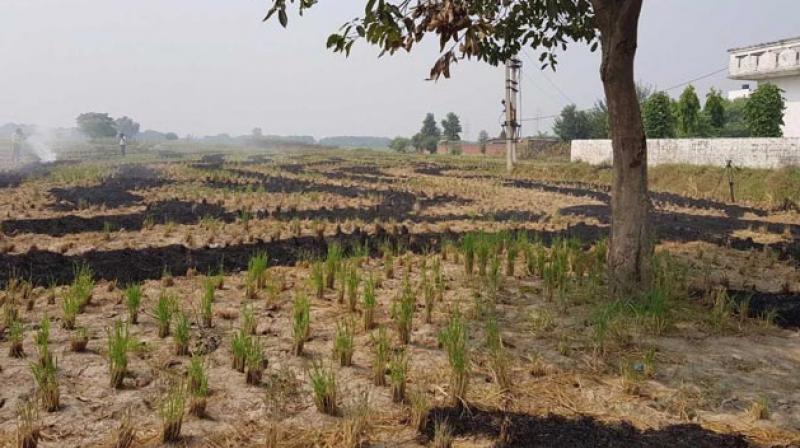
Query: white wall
x,y
791,91
743,152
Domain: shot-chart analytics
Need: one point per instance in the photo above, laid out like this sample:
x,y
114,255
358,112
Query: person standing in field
x,y
16,146
123,144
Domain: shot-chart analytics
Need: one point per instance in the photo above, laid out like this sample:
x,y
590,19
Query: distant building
x,y
777,63
744,92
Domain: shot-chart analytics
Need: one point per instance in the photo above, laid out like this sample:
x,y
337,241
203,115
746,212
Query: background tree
x,y
400,144
171,136
688,113
735,123
96,125
714,109
427,139
598,120
493,32
483,139
127,126
451,127
764,111
257,133
659,121
572,124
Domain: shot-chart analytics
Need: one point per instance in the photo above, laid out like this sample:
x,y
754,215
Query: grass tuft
x,y
163,311
398,371
301,322
133,301
172,411
323,384
343,347
454,339
119,343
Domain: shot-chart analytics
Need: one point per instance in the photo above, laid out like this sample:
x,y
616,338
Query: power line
x,y
558,89
541,117
696,79
676,86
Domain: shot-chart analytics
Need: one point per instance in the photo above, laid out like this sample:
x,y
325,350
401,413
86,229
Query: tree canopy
x,y
487,30
659,121
400,144
451,127
764,111
127,126
688,112
572,124
714,109
427,139
96,125
483,139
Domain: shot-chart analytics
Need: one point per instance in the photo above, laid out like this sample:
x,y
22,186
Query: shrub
x,y
403,312
82,286
125,432
454,339
257,269
483,248
248,320
28,425
388,261
318,278
442,435
43,341
323,383
207,304
164,309
468,248
15,336
369,302
343,343
430,295
79,340
133,301
398,370
301,321
498,359
197,385
239,346
420,408
380,343
71,306
47,384
172,410
254,361
181,336
332,263
119,342
353,279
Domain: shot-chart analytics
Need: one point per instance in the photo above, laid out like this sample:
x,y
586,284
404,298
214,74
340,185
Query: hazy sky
x,y
212,66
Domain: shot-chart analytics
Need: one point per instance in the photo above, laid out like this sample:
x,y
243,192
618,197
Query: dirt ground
x,y
713,374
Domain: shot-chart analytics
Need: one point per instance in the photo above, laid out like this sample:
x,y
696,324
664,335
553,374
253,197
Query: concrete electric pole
x,y
513,67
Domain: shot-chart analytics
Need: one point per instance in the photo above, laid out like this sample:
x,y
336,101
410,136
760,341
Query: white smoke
x,y
40,142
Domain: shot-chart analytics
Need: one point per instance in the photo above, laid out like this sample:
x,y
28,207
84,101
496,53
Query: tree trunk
x,y
631,247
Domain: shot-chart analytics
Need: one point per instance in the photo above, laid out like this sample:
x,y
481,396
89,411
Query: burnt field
x,y
362,299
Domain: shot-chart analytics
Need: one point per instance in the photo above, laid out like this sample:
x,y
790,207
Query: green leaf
x,y
283,18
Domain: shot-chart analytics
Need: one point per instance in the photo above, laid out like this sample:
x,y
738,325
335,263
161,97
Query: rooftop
x,y
766,60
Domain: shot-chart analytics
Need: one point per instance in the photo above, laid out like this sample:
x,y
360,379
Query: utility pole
x,y
513,67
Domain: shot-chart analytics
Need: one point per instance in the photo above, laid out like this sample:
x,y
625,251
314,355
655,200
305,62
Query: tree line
x,y
760,115
97,125
430,134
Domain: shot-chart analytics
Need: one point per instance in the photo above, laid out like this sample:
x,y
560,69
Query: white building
x,y
777,63
744,92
